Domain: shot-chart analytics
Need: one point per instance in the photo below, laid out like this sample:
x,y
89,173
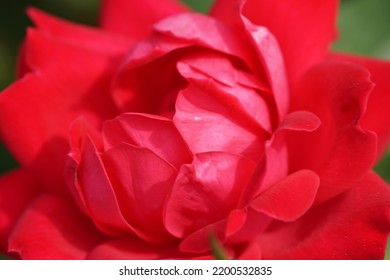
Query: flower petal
x,y
290,198
268,51
155,133
356,226
134,18
77,34
231,84
311,27
209,121
205,31
136,249
53,228
377,115
91,184
340,152
17,189
273,165
206,191
142,182
37,110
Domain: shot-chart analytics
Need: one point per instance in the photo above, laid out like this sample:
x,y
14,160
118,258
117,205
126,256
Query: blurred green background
x,y
364,28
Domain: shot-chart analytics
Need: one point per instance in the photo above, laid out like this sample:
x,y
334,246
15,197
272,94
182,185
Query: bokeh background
x,y
364,28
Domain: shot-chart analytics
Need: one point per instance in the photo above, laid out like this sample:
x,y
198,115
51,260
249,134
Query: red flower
x,y
140,139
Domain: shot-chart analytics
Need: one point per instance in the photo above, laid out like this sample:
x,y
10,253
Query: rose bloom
x,y
165,132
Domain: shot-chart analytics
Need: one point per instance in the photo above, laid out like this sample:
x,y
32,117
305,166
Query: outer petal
x,y
134,18
53,228
340,152
311,27
17,189
79,35
354,225
37,110
377,116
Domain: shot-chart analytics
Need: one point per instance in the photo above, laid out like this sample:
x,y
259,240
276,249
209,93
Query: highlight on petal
x,y
354,225
53,228
133,18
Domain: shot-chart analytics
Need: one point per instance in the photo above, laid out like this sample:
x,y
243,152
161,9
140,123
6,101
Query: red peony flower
x,y
143,138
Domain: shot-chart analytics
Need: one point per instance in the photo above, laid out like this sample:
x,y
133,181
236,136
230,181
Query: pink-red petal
x,y
53,228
